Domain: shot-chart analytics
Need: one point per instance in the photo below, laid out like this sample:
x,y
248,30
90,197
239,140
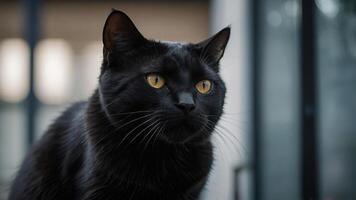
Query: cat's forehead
x,y
173,43
177,59
179,56
182,61
176,48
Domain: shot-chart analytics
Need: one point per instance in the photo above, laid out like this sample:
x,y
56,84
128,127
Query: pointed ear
x,y
212,49
120,32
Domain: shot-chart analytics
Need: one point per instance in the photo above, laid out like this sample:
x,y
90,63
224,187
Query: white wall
x,y
235,73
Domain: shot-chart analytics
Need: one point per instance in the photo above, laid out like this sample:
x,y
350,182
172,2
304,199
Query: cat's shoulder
x,y
65,129
68,122
72,112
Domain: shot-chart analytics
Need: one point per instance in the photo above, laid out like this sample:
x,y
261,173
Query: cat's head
x,y
172,91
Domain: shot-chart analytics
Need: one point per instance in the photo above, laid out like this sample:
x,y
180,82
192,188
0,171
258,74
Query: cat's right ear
x,y
120,32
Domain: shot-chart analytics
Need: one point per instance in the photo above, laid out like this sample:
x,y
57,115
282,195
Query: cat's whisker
x,y
129,114
230,117
234,147
236,118
152,134
159,133
230,121
104,137
130,132
142,131
220,139
206,131
136,119
156,123
221,135
242,128
229,133
224,133
135,112
106,106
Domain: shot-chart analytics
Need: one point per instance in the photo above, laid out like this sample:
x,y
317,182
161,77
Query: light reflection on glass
x,y
53,71
14,55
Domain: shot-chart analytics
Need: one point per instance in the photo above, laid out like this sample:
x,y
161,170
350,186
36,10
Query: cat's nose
x,y
185,102
186,107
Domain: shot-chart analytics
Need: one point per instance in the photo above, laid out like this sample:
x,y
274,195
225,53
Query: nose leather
x,y
185,98
185,102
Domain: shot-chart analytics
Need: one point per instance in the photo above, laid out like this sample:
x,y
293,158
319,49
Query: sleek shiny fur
x,y
131,141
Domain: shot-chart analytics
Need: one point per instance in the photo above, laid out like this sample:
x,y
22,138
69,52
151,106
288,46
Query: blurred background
x,y
289,128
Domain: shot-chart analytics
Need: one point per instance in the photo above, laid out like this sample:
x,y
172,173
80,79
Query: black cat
x,y
145,132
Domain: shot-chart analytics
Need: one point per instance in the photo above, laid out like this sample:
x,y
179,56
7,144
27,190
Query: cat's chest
x,y
168,170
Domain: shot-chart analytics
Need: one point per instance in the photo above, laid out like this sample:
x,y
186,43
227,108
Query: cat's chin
x,y
183,132
176,140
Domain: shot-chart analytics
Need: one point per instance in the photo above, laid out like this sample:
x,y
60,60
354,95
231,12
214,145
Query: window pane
x,y
279,100
336,26
12,143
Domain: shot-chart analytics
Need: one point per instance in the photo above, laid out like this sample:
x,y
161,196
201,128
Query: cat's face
x,y
170,91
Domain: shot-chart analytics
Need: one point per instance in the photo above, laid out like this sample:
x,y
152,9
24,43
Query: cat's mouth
x,y
182,128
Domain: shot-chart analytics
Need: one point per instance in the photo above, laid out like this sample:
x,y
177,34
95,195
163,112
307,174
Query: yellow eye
x,y
155,80
203,86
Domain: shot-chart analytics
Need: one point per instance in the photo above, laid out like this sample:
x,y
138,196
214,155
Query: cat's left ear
x,y
120,32
213,48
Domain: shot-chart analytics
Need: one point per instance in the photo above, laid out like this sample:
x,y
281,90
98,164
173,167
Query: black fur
x,y
129,140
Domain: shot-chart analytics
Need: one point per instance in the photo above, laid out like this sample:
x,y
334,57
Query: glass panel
x,y
12,143
279,142
14,54
336,46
